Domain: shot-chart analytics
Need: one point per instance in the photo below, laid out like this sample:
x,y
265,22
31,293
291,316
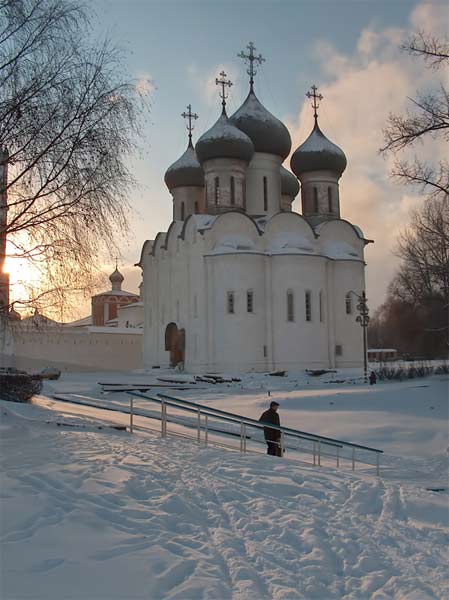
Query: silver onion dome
x,y
289,183
318,153
186,171
224,140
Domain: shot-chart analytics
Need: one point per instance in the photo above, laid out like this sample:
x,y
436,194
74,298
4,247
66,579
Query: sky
x,y
349,49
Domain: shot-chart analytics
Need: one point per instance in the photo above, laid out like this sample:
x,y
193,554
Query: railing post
x,y
199,426
163,419
314,454
353,459
241,436
377,464
205,430
244,437
319,453
131,411
338,457
281,453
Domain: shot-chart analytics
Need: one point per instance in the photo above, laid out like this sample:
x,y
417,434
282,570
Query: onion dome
x,y
116,279
289,183
318,153
267,133
186,171
224,140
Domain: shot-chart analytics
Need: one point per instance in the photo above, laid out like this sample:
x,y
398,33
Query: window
x,y
196,207
265,194
329,198
195,306
231,306
217,190
250,301
232,191
321,307
348,300
338,350
177,311
290,306
182,211
315,200
308,299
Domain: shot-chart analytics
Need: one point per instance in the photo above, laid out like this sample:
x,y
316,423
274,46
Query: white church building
x,y
240,282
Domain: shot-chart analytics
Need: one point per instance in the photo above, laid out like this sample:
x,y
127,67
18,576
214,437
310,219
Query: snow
x,y
187,161
340,250
290,241
230,243
99,514
318,142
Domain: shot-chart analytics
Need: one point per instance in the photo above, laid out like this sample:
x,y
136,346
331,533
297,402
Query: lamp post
x,y
363,320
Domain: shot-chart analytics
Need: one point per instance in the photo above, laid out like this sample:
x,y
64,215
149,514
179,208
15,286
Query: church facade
x,y
240,282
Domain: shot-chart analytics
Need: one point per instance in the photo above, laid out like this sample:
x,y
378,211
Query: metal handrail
x,y
243,421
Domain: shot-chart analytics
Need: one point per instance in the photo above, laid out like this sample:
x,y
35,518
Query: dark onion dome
x,y
289,183
186,171
318,153
116,277
267,133
224,140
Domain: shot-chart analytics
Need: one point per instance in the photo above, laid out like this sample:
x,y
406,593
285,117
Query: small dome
x,y
116,277
224,140
186,171
289,183
318,153
267,133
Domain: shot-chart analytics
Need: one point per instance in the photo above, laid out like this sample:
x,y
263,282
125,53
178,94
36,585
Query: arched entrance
x,y
175,343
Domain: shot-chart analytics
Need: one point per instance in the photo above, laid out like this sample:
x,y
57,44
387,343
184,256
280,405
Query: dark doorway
x,y
175,343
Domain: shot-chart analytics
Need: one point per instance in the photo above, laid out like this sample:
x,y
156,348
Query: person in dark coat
x,y
272,436
372,378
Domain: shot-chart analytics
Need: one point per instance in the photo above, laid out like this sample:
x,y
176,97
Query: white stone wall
x,y
263,165
88,349
189,272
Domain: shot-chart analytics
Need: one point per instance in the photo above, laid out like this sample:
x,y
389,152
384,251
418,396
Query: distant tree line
x,y
415,317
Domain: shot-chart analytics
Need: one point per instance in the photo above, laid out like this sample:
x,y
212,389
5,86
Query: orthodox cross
x,y
189,116
315,97
250,59
223,82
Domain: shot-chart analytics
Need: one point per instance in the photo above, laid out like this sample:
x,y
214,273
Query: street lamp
x,y
363,320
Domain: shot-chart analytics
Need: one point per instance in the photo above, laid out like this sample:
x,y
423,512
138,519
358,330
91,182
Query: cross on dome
x,y
250,59
224,83
189,116
315,97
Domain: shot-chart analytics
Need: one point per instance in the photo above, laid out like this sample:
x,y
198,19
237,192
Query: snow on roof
x,y
286,242
340,250
84,322
131,305
231,243
117,293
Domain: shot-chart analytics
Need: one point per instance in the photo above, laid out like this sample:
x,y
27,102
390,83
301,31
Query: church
x,y
240,282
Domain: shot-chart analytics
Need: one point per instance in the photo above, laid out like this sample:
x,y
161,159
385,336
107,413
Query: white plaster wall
x,y
85,350
321,180
224,169
187,195
263,165
131,315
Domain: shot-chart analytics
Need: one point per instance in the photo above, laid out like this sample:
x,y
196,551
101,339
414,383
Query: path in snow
x,y
95,515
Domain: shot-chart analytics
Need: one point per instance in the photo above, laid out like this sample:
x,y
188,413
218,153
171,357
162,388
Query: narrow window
x,y
321,307
315,200
250,301
177,311
196,207
195,306
290,306
348,300
308,298
231,303
217,190
232,191
329,198
265,195
182,211
338,350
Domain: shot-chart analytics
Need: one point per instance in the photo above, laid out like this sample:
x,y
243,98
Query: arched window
x,y
329,198
217,190
290,306
232,191
250,301
265,194
348,302
321,307
315,200
196,207
231,306
182,211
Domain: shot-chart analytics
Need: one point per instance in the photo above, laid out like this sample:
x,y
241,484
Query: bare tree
x,y
69,120
428,116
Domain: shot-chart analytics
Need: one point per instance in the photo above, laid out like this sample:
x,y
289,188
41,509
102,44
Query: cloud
x,y
360,91
205,82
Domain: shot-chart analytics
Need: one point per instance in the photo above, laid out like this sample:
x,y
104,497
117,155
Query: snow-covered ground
x,y
95,514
